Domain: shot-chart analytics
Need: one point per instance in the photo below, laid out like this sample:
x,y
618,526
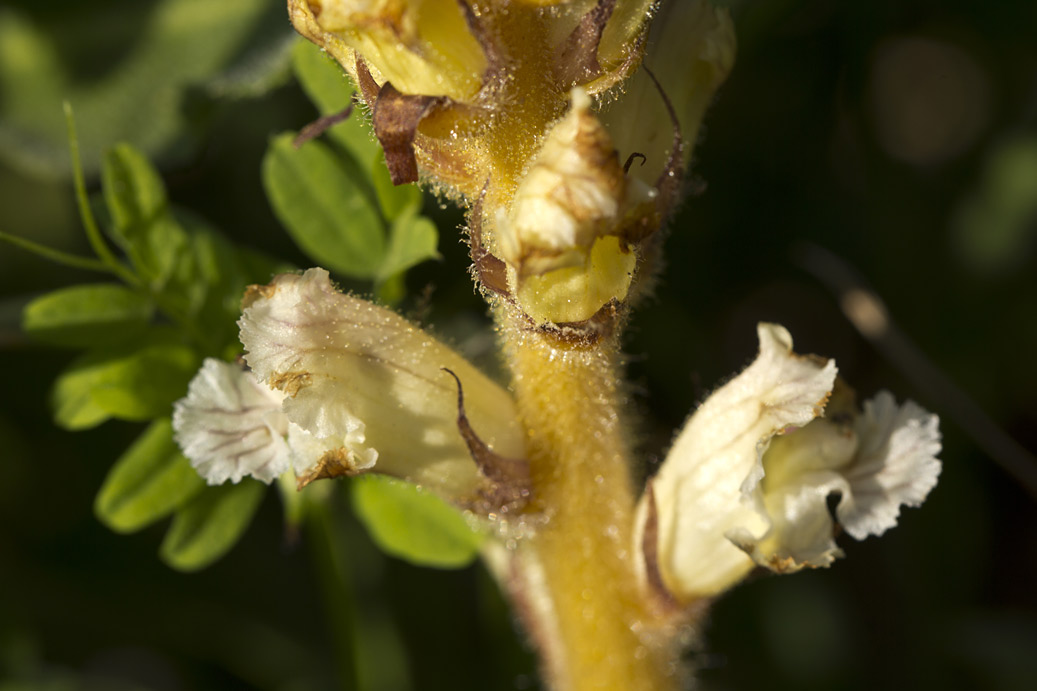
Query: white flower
x,y
747,480
702,491
362,383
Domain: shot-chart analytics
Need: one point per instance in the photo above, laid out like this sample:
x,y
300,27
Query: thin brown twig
x,y
867,312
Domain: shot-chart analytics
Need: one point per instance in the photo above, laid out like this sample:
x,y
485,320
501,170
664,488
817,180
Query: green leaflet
x,y
336,199
196,276
137,381
148,482
140,220
133,191
414,525
87,315
210,525
323,201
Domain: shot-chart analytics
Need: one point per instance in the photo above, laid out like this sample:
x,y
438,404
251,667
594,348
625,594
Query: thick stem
x,y
583,607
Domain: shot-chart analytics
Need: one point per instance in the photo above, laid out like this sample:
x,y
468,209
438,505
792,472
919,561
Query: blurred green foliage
x,y
809,141
413,525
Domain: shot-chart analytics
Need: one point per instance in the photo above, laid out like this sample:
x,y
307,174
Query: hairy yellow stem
x,y
583,608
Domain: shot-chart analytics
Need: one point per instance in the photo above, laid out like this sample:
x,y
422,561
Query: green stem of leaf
x,y
392,290
54,255
86,215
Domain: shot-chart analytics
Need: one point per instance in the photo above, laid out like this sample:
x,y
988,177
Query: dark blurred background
x,y
900,135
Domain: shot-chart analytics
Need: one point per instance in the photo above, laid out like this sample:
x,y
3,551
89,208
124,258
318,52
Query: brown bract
x,y
508,485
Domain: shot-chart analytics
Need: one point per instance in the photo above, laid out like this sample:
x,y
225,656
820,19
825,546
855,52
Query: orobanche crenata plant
x,y
564,129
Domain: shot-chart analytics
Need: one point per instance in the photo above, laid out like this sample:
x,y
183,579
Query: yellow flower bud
x,y
571,195
563,236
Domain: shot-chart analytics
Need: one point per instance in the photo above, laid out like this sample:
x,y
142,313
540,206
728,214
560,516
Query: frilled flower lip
x,y
230,426
882,460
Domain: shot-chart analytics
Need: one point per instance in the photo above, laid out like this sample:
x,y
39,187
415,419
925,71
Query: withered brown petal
x,y
672,177
335,463
396,117
650,553
577,59
368,86
477,24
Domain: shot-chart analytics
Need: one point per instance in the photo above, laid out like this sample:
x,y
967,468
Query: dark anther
x,y
630,161
322,125
491,270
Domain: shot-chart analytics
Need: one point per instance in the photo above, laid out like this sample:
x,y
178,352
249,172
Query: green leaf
x,y
87,315
412,240
414,525
210,525
136,381
127,68
323,201
323,79
149,481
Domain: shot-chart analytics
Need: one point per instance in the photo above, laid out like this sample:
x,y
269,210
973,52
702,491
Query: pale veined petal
x,y
896,465
800,473
230,425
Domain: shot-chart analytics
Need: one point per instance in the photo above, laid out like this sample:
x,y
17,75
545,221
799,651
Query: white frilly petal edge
x,y
896,465
891,462
230,426
706,490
